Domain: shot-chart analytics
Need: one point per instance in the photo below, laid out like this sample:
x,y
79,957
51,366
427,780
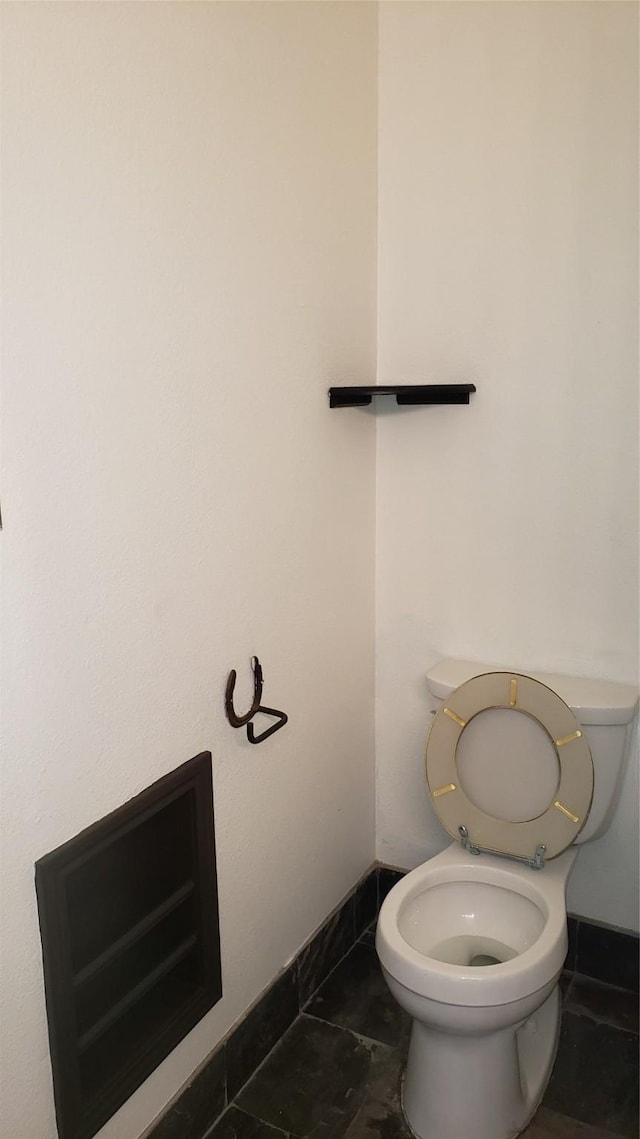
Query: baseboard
x,y
603,952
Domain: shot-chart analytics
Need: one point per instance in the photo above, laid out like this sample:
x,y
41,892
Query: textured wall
x,y
189,257
508,241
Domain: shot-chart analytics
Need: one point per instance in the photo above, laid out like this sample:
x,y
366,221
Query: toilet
x,y
520,769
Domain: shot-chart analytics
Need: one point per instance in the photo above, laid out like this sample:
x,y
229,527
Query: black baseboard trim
x,y
598,951
603,952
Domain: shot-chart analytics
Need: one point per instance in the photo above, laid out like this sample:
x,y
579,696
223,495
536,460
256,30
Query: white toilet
x,y
472,943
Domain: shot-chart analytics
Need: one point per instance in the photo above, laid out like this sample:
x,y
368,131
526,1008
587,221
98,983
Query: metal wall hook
x,y
282,719
237,721
234,719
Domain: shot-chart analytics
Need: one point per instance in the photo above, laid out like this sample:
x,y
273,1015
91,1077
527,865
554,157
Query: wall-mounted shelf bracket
x,y
405,394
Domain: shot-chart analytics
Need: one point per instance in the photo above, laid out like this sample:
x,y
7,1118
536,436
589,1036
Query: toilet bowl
x,y
472,949
472,942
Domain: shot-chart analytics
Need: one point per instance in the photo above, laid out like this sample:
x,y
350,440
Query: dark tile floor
x,y
336,1072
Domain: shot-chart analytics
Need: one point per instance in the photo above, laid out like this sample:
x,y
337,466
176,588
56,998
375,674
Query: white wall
x,y
189,256
508,243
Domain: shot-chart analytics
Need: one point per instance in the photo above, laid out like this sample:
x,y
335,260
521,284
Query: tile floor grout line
x,y
602,984
233,1103
277,1132
212,1126
352,1032
577,1011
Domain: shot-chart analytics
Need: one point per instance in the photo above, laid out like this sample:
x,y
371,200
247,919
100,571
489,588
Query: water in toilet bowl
x,y
472,949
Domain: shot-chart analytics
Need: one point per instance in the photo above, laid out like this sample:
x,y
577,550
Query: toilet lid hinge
x,y
535,863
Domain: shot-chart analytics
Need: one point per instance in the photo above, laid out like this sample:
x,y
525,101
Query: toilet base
x,y
487,1086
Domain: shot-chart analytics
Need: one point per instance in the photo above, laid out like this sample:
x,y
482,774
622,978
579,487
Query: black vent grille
x,y
130,943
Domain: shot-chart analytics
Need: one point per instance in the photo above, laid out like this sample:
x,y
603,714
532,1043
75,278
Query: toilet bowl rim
x,y
388,936
463,985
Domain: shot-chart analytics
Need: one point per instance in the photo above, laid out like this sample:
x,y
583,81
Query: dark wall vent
x,y
130,943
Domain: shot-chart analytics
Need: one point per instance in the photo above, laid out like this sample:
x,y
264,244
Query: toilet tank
x,y
605,709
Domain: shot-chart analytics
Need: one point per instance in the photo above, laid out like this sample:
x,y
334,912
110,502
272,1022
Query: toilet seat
x,y
557,827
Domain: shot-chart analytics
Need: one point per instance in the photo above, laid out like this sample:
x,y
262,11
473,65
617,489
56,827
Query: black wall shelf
x,y
405,394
